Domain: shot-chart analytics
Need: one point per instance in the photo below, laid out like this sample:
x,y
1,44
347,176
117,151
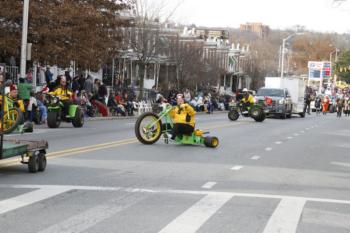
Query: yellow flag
x,y
341,69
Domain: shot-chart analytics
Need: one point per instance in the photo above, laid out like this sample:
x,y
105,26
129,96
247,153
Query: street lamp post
x,y
336,55
283,50
335,60
24,38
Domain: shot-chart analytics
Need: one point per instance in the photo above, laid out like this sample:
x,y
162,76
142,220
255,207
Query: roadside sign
x,y
319,70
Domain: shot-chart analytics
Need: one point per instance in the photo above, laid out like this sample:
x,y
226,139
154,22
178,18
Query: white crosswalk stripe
x,y
193,218
85,220
29,198
190,218
286,216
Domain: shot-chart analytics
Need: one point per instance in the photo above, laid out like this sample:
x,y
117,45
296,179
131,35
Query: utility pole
x,y
24,38
282,60
113,72
284,48
279,60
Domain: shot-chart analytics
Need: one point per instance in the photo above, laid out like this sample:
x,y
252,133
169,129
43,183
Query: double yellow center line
x,y
102,146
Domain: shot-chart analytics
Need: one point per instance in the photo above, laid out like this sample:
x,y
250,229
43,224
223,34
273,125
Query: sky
x,y
315,15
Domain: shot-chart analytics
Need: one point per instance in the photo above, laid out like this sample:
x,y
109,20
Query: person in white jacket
x,y
32,106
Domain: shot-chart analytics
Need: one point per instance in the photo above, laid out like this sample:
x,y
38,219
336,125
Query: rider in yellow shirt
x,y
247,100
64,94
183,117
62,91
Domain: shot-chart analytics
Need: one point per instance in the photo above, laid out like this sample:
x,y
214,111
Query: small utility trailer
x,y
32,153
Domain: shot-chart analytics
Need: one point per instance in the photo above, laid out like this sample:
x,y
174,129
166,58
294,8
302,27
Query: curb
x,y
113,118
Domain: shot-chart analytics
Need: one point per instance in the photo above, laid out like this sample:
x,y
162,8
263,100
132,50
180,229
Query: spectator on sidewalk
x,y
340,105
325,104
89,86
347,105
187,96
42,107
103,93
116,108
128,104
32,107
307,103
153,94
48,76
68,79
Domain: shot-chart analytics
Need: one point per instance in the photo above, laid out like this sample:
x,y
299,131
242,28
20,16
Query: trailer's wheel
x,y
233,115
42,162
211,142
33,163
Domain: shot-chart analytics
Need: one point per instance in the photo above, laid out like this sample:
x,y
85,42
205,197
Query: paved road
x,y
281,176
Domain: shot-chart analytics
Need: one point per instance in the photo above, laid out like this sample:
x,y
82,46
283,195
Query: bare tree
x,y
146,36
187,54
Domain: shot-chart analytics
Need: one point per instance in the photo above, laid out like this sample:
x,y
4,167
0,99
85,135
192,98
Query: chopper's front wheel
x,y
12,119
148,128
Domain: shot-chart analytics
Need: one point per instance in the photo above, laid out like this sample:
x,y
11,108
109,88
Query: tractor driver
x,y
183,117
247,100
63,94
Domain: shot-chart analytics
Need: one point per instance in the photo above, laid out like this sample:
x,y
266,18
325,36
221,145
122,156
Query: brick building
x,y
257,28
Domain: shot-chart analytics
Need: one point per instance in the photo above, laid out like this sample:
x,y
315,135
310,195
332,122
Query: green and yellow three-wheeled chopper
x,y
150,127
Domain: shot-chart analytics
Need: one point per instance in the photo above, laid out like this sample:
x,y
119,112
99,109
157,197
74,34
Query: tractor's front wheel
x,y
53,119
233,115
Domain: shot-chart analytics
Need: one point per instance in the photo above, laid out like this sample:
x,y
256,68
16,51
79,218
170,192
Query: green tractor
x,y
55,113
150,127
254,111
